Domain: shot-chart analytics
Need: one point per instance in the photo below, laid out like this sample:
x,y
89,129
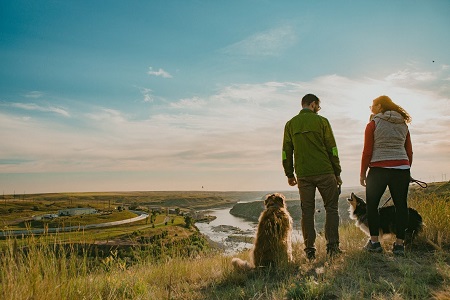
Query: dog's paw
x,y
241,265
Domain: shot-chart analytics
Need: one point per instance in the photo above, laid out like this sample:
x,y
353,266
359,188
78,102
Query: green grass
x,y
122,234
15,210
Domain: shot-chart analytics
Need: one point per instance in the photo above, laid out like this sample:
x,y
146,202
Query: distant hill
x,y
252,210
438,188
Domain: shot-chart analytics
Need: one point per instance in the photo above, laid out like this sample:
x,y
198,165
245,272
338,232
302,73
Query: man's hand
x,y
338,180
292,181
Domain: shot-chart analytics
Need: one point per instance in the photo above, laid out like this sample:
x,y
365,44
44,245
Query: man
x,y
310,149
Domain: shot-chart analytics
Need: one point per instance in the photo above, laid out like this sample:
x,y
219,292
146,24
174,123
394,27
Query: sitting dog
x,y
358,209
273,245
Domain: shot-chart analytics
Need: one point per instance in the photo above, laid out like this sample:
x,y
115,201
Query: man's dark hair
x,y
309,98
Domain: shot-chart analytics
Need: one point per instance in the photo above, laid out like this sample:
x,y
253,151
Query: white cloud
x,y
160,72
147,94
407,75
267,43
195,102
35,107
434,81
34,94
106,114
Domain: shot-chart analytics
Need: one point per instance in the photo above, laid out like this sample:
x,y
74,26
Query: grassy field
x,y
189,199
17,211
45,270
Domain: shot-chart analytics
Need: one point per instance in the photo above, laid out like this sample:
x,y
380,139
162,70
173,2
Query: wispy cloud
x,y
267,43
408,75
147,94
160,73
415,77
34,94
35,107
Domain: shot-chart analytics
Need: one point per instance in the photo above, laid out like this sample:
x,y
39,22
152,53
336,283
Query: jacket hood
x,y
390,116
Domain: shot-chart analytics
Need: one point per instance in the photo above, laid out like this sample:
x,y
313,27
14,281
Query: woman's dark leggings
x,y
398,182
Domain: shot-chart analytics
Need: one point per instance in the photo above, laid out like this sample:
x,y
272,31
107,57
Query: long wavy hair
x,y
388,104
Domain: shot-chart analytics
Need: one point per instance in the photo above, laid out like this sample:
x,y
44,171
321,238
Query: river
x,y
232,233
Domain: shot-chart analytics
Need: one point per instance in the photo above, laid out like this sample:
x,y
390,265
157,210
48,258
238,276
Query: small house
x,y
77,211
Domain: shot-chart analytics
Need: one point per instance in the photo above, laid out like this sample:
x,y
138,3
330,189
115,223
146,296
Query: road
x,y
141,216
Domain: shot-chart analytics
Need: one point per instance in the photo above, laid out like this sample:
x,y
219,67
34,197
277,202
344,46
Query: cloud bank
x,y
236,131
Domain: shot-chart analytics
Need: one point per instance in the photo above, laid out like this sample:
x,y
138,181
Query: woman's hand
x,y
362,180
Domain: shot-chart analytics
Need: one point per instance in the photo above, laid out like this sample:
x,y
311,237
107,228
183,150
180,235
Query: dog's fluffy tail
x,y
240,264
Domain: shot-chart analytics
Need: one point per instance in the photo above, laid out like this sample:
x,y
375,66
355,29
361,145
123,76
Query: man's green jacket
x,y
309,139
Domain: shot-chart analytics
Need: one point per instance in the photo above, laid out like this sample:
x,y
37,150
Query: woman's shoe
x,y
373,247
398,250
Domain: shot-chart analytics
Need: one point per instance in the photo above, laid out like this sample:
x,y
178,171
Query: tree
x,y
189,221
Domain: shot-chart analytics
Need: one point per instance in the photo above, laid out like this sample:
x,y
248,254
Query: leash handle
x,y
422,184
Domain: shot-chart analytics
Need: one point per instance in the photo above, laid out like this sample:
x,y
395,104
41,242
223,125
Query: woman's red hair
x,y
388,104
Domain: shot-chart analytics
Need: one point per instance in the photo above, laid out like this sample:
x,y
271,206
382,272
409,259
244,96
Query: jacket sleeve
x,y
330,144
408,147
288,152
368,148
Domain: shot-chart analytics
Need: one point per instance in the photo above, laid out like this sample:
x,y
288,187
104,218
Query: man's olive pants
x,y
327,186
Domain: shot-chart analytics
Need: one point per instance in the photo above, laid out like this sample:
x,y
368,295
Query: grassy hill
x,y
43,270
190,199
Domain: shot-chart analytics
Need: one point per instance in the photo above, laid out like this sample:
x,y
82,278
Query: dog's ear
x,y
268,199
352,198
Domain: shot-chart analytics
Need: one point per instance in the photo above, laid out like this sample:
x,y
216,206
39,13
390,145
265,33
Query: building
x,y
45,217
77,211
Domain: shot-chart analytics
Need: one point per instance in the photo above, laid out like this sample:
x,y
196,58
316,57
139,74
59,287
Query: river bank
x,y
234,227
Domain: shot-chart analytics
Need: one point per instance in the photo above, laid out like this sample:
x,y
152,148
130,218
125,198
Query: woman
x,y
388,153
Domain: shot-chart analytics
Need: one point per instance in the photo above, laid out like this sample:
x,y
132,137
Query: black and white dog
x,y
358,212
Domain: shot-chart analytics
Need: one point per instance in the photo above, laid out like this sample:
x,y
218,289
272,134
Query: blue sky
x,y
180,95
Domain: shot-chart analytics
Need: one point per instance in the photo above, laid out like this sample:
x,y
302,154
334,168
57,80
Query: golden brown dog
x,y
273,246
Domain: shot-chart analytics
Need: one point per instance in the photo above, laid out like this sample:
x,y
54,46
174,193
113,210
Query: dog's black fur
x,y
358,212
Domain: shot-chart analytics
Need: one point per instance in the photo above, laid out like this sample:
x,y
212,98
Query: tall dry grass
x,y
47,270
435,211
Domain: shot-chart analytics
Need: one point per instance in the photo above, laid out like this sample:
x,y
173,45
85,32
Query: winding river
x,y
231,233
234,234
